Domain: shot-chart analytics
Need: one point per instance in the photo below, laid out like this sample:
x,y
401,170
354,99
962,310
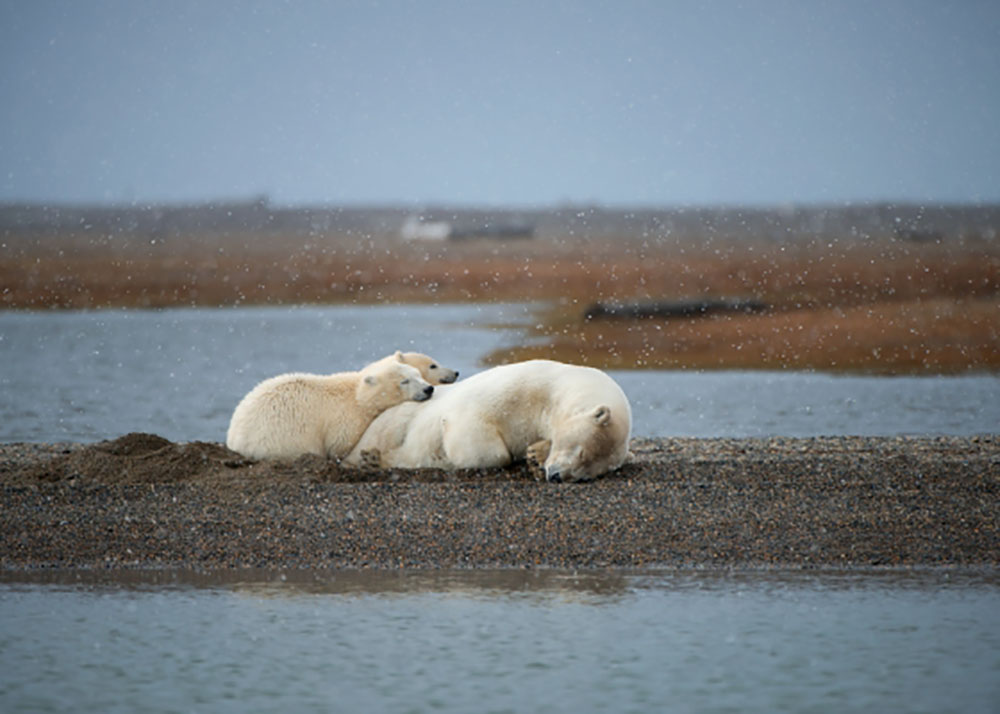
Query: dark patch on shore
x,y
144,501
150,459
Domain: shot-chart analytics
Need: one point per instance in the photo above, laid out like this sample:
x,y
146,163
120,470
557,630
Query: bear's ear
x,y
602,415
399,356
371,381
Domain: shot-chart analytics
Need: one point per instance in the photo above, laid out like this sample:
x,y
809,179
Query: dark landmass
x,y
141,501
235,219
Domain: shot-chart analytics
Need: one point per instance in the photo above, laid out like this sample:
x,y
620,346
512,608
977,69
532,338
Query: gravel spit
x,y
141,501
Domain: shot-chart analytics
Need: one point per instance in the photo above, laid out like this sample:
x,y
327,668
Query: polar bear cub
x,y
294,414
574,421
428,366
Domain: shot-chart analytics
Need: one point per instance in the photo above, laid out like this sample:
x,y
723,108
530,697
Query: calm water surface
x,y
85,376
502,642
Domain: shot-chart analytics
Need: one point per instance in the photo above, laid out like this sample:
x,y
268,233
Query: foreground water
x,y
85,376
501,642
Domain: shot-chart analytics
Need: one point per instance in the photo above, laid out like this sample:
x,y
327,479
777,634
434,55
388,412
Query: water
x,y
85,376
513,641
501,642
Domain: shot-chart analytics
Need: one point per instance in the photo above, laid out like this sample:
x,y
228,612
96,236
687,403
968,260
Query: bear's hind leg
x,y
480,448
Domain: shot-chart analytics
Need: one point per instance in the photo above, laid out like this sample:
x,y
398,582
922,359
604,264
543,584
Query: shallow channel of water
x,y
510,641
86,376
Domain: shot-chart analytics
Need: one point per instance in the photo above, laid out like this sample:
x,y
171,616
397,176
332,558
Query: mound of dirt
x,y
134,444
136,458
139,458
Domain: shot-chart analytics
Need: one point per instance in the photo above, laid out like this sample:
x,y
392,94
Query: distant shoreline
x,y
143,502
869,220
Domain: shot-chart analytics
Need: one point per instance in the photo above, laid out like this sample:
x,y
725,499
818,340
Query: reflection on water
x,y
490,583
500,641
85,376
291,583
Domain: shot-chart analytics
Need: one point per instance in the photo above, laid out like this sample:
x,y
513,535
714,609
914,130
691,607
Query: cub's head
x,y
428,367
386,384
589,444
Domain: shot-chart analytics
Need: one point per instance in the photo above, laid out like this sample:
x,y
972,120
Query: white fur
x,y
294,414
494,417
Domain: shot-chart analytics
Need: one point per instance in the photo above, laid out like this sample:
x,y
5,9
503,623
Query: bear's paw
x,y
371,460
536,455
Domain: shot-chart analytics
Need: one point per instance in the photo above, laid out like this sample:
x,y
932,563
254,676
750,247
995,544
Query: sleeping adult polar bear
x,y
574,421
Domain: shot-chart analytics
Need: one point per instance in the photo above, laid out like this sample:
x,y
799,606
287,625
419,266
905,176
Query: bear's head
x,y
588,444
428,367
386,384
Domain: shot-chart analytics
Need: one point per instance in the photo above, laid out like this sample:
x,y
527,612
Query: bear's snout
x,y
426,394
553,475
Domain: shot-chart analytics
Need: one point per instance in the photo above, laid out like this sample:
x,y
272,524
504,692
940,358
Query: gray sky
x,y
500,103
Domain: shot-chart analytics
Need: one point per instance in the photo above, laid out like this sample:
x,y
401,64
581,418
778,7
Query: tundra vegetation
x,y
882,289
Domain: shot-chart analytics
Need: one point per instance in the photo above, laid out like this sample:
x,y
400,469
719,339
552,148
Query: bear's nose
x,y
429,390
552,475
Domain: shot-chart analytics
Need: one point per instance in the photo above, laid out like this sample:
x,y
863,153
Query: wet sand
x,y
141,501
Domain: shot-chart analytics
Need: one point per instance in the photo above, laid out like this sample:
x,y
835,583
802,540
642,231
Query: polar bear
x,y
294,414
428,366
574,421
